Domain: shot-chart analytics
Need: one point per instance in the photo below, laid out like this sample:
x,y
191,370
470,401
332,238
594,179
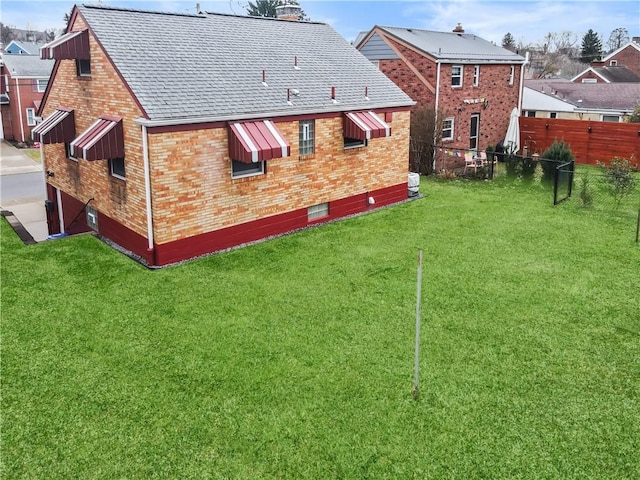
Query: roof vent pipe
x,y
264,78
333,95
295,63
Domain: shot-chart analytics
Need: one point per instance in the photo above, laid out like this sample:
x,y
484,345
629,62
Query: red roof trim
x,y
72,45
253,142
102,140
59,127
364,126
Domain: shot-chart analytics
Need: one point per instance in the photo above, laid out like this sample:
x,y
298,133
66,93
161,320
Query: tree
x,y
267,8
6,34
618,37
49,35
508,42
591,47
635,115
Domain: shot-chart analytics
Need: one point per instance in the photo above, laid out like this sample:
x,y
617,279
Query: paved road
x,y
21,188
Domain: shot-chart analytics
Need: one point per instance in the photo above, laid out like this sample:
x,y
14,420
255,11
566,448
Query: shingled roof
x,y
27,65
606,96
453,46
183,66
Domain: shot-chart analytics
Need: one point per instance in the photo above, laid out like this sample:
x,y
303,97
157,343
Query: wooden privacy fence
x,y
590,141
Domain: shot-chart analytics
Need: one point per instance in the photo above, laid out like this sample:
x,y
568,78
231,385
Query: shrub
x,y
618,178
559,152
585,195
512,165
528,169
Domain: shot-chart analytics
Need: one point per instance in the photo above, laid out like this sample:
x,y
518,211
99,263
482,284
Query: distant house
x,y
620,66
608,102
22,48
23,80
255,127
472,83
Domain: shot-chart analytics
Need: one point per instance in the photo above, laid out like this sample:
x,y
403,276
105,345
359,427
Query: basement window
x,y
92,217
318,211
83,68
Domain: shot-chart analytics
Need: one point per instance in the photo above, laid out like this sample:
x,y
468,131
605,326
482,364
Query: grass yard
x,y
293,358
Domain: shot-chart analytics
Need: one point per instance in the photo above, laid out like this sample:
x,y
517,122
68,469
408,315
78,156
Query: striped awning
x,y
72,45
59,127
102,140
253,142
364,126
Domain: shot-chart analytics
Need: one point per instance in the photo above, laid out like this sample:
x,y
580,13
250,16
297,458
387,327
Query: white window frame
x,y
589,80
113,173
512,74
307,137
613,63
354,143
315,212
528,113
553,115
67,151
259,169
31,116
602,118
459,75
39,83
448,119
476,75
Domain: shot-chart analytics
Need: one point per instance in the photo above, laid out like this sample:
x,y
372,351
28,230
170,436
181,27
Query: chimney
x,y
458,29
288,12
635,40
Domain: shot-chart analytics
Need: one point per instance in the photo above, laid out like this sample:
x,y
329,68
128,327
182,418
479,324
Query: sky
x,y
527,20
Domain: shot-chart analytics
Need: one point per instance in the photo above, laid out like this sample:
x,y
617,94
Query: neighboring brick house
x,y
23,80
472,83
177,135
620,66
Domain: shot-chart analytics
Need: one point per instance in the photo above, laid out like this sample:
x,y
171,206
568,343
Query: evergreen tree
x,y
509,42
591,47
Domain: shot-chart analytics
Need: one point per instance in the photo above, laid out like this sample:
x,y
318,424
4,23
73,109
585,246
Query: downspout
x,y
435,133
147,193
60,211
526,61
20,109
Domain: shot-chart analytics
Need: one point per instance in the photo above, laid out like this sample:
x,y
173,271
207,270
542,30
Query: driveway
x,y
22,191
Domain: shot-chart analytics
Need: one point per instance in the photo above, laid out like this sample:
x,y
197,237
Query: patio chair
x,y
470,162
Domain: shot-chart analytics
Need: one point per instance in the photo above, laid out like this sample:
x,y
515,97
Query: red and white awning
x,y
102,140
59,127
252,142
365,126
72,45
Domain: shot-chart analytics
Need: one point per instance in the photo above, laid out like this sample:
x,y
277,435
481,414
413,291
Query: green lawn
x,y
293,358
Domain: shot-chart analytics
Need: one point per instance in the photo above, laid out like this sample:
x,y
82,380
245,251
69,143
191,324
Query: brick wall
x,y
26,89
629,57
193,191
588,74
493,86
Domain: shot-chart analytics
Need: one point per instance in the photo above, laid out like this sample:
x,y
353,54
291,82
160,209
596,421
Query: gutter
x,y
249,116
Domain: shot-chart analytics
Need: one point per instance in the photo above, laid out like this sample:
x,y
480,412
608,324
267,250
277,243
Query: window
x,y
589,80
67,152
530,113
242,169
553,115
116,167
512,74
92,217
41,84
456,76
317,211
476,75
307,137
31,116
354,142
613,63
447,129
83,68
610,118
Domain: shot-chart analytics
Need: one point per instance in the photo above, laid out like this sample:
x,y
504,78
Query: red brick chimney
x,y
458,29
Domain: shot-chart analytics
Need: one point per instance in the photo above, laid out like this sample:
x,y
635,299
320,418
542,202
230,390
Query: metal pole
x,y
417,350
638,228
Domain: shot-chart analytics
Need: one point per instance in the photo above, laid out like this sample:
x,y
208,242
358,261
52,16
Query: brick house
x,y
472,83
178,135
23,80
620,66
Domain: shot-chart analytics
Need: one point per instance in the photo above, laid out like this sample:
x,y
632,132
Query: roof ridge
x,y
139,10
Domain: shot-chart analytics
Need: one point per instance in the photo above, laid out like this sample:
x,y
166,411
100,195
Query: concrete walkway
x,y
27,212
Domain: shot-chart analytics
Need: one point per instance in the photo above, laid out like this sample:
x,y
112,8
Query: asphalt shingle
x,y
184,66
